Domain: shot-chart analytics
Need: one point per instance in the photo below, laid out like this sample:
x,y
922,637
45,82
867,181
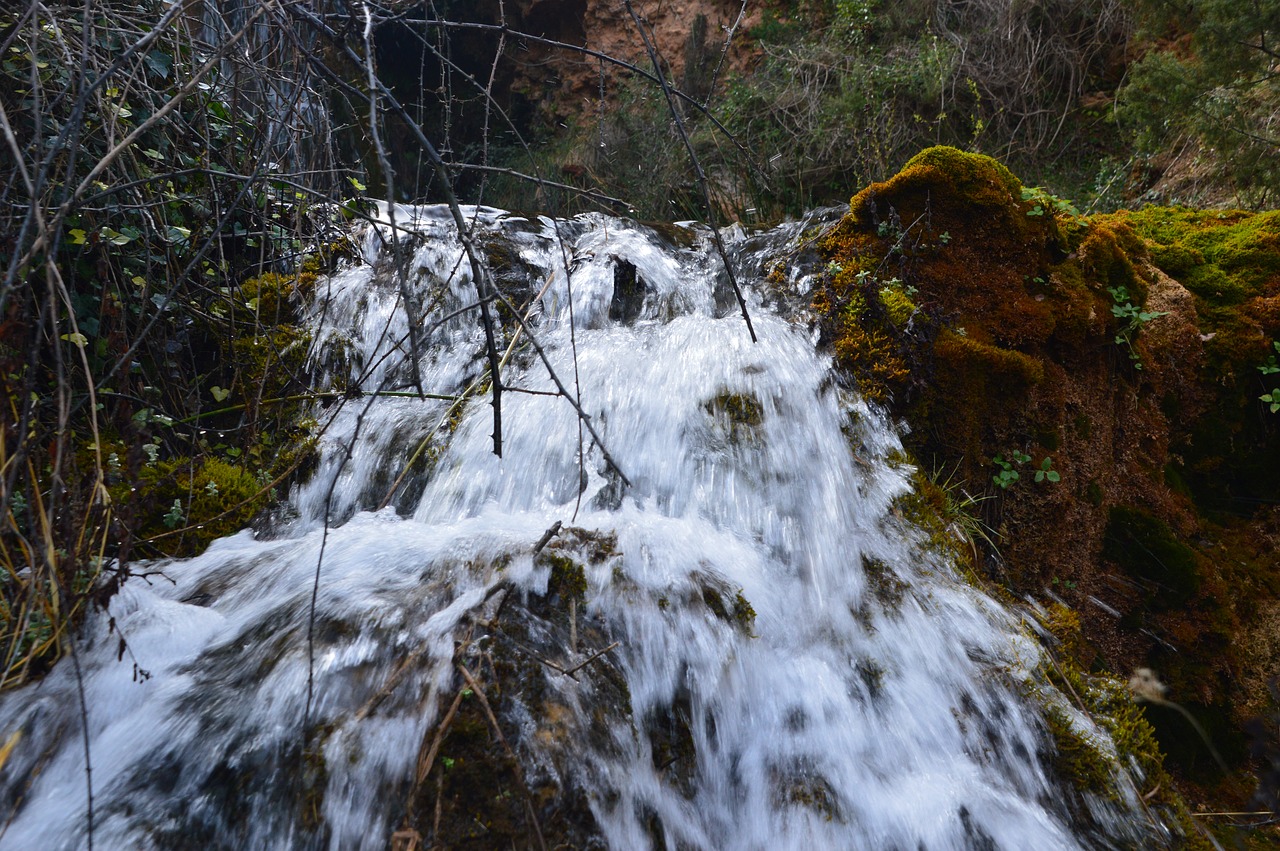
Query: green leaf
x,y
160,63
115,236
77,339
360,187
220,394
78,236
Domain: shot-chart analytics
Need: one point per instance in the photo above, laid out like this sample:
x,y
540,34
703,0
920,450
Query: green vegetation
x,y
1007,475
1104,101
1131,319
1210,79
152,259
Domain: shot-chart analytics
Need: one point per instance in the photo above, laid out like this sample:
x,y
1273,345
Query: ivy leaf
x,y
220,394
360,187
78,237
160,63
77,339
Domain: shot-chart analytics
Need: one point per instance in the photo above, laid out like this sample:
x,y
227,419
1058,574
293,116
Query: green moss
x,y
269,364
736,417
1222,257
741,409
738,611
1145,547
979,178
976,383
884,583
1106,255
898,305
802,787
568,579
1091,766
744,614
274,298
218,499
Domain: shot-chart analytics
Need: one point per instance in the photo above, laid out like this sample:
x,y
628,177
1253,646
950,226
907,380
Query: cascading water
x,y
746,647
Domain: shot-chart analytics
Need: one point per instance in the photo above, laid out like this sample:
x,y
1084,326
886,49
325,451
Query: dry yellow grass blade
x,y
8,746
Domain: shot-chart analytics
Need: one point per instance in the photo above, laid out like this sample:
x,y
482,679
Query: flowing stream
x,y
761,652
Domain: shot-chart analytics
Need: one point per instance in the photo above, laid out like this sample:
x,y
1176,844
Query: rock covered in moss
x,y
1126,351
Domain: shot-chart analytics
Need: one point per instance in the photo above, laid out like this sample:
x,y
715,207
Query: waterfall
x,y
732,640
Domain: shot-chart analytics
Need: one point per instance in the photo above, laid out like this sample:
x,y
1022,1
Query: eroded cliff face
x,y
522,79
556,53
690,37
1115,364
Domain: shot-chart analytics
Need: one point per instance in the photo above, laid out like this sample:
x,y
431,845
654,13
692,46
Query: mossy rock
x,y
737,416
274,298
954,225
1145,547
1224,257
742,409
568,580
735,610
206,502
270,364
979,178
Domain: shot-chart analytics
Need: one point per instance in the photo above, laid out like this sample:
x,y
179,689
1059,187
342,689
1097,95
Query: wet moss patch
x,y
1145,547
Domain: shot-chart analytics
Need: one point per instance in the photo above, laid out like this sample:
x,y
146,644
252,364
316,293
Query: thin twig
x,y
546,537
590,659
724,53
84,732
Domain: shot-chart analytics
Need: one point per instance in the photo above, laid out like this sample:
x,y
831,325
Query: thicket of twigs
x,y
157,156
